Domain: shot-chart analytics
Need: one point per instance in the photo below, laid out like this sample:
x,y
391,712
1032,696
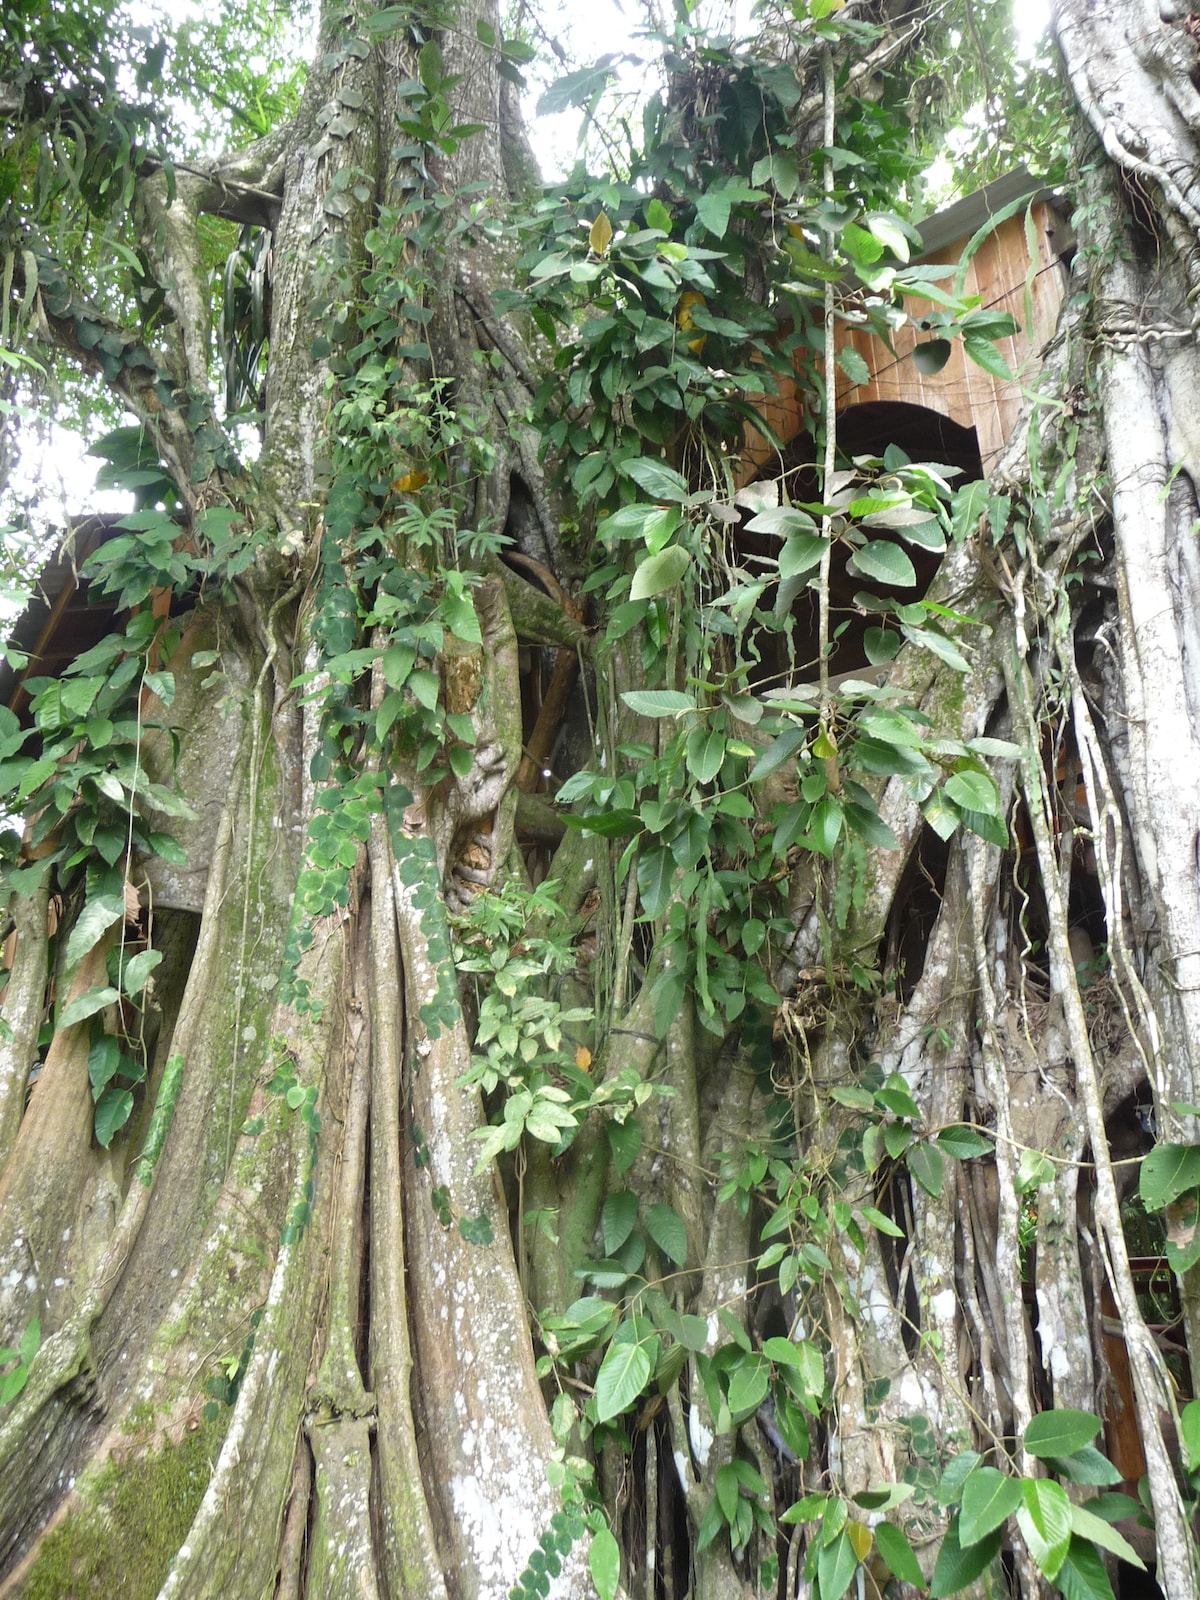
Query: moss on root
x,y
120,1544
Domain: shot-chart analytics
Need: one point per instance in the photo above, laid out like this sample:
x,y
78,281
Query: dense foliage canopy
x,y
599,949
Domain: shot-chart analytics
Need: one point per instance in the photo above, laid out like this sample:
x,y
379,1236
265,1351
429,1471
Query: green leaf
x,y
87,1004
660,481
973,791
957,1567
624,1374
1060,1433
1168,1172
659,574
989,1498
97,916
853,365
705,754
137,969
801,553
898,1555
883,1223
1088,1526
618,1220
1086,1466
31,1342
930,357
836,1565
748,1385
963,1143
886,563
1034,1169
889,230
655,877
112,1113
625,1142
1082,1575
1044,1518
728,1492
984,354
665,1227
657,702
1189,1433
928,1167
604,1563
712,208
104,1061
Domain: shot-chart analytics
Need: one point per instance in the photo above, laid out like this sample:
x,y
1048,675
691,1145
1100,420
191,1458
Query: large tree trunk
x,y
296,1339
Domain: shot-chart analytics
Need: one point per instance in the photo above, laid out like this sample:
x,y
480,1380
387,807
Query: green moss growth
x,y
119,1546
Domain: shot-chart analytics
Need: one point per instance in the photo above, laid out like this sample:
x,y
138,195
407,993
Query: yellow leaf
x,y
860,1539
410,482
583,1058
600,235
684,317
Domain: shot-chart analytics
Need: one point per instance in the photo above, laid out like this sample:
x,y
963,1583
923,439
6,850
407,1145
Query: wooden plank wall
x,y
999,272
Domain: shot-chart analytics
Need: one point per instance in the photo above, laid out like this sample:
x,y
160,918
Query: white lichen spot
x,y
943,1305
700,1436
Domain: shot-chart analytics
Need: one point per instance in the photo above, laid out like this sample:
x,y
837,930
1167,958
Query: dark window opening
x,y
865,430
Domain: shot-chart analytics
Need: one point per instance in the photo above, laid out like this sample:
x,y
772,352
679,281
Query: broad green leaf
x,y
898,1555
728,1492
660,481
984,354
963,1143
713,208
1082,1575
1044,1518
705,753
618,1220
1060,1433
801,553
883,1223
748,1385
104,1062
928,1167
973,791
112,1113
931,356
655,878
604,1564
1034,1169
886,563
870,827
1087,1466
836,1566
31,1342
826,824
853,365
625,1142
624,1374
989,1498
97,916
1168,1172
1189,1433
659,574
889,230
777,752
665,1227
137,969
1089,1526
881,645
87,1004
954,1478
957,1567
941,646
658,702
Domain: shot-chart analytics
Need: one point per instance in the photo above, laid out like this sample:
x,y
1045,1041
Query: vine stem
x,y
829,419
